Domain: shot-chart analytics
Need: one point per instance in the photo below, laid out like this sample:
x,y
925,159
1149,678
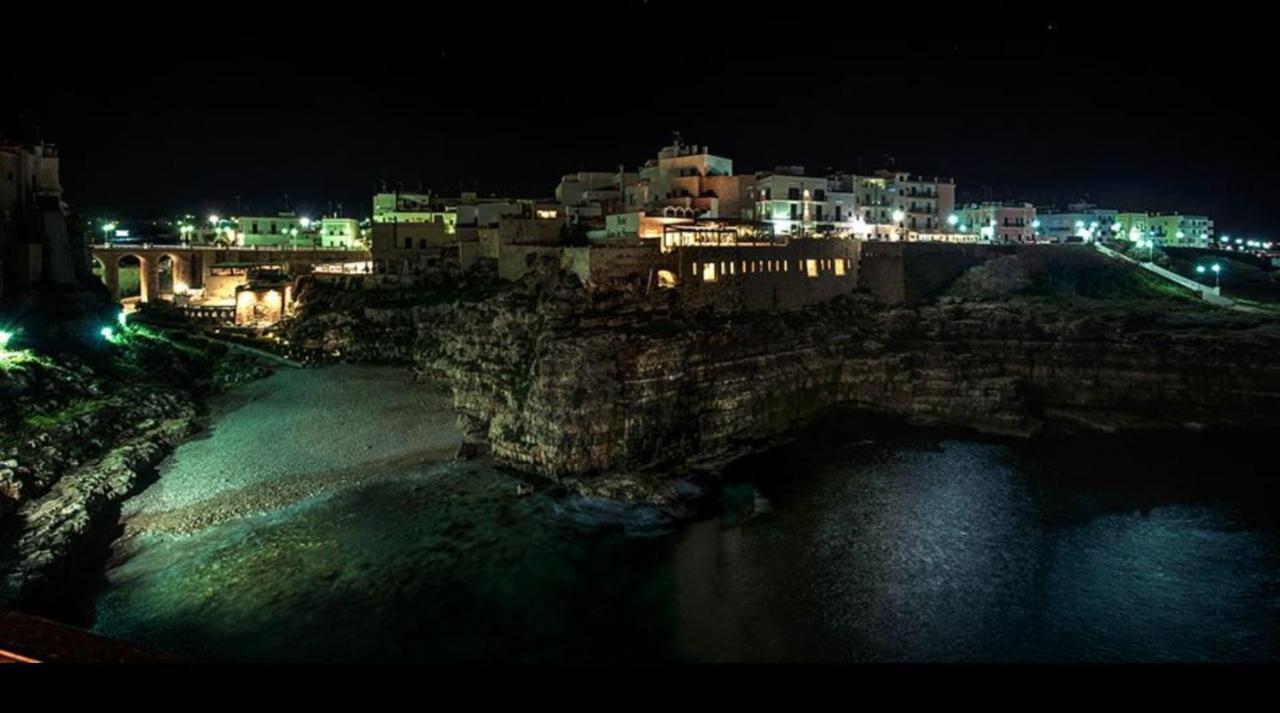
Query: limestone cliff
x,y
567,388
80,432
571,384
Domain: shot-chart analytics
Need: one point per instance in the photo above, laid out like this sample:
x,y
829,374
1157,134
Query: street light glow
x,y
898,216
213,219
5,337
107,333
953,219
122,319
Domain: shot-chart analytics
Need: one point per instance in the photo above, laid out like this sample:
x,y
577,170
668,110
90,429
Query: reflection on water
x,y
914,548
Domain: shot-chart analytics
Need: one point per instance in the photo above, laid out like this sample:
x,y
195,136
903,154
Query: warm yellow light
x,y
273,298
246,298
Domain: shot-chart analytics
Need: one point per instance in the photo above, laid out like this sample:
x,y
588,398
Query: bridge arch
x,y
133,277
171,274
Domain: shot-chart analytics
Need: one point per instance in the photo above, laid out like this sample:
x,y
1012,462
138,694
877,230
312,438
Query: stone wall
x,y
898,272
773,277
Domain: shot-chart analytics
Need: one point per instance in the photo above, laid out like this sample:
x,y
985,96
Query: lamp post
x,y
1217,278
900,219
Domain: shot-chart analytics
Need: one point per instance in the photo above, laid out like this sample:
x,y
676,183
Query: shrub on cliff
x,y
1059,273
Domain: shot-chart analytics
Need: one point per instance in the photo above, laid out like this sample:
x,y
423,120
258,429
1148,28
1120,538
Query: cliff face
x,y
566,388
79,434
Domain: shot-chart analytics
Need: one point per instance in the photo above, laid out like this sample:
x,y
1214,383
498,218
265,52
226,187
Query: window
x,y
709,271
793,194
408,243
811,268
795,211
819,195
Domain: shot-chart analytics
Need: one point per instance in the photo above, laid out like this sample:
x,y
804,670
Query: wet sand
x,y
303,436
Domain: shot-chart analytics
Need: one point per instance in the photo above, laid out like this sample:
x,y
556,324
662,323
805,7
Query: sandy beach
x,y
261,451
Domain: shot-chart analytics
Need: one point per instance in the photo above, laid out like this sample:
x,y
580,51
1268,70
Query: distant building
x,y
796,204
889,205
1081,221
339,232
693,178
279,230
476,212
38,243
1180,230
999,222
414,208
924,202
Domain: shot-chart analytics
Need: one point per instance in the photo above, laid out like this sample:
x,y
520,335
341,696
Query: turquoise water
x,y
889,546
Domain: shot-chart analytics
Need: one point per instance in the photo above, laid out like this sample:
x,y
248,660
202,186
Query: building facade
x,y
1080,221
279,230
339,233
999,222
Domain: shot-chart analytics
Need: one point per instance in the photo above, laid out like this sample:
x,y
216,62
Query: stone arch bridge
x,y
189,265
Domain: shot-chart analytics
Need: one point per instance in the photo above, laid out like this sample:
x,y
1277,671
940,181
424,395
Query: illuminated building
x,y
1180,230
281,229
414,208
924,202
796,204
1081,221
264,300
339,232
999,222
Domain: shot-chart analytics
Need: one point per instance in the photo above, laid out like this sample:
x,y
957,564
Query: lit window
x,y
811,267
709,271
840,268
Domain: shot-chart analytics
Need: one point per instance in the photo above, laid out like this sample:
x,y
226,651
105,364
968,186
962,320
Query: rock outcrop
x,y
574,384
82,432
567,388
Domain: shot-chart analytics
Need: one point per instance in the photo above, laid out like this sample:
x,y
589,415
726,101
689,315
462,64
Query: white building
x,y
414,208
339,232
999,222
281,229
1081,221
797,204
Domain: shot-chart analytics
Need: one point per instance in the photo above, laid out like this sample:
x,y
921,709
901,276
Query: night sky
x,y
163,115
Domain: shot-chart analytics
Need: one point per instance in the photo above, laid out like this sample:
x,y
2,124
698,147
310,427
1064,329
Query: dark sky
x,y
1156,110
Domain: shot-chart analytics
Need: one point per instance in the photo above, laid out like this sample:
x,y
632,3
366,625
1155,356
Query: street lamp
x,y
213,219
953,219
899,217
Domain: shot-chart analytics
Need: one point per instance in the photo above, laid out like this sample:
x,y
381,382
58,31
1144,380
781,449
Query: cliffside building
x,y
44,250
999,222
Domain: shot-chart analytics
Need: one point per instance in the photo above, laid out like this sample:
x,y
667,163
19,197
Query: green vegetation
x,y
130,281
65,415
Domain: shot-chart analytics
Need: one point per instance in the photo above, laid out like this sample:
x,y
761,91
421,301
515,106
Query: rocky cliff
x,y
572,384
80,432
566,388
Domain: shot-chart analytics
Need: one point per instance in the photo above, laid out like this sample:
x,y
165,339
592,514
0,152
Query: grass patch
x,y
76,409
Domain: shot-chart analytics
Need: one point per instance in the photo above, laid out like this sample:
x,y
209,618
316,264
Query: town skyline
x,y
1043,107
